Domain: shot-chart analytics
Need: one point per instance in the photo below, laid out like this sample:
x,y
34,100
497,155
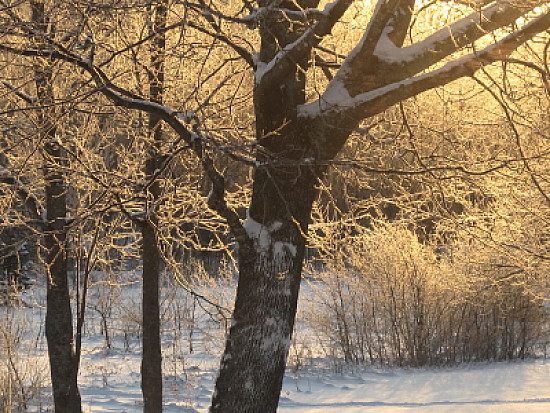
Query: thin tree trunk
x,y
151,366
59,326
59,321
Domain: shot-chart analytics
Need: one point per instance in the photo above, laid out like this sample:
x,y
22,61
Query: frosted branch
x,y
298,51
337,100
121,97
30,201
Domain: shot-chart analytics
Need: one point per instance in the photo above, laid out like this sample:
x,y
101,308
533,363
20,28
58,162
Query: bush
x,y
21,378
397,301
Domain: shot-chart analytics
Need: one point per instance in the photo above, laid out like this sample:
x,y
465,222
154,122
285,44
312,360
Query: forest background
x,y
280,141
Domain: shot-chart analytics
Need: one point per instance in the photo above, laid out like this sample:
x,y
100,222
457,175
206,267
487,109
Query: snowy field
x,y
110,379
501,387
498,387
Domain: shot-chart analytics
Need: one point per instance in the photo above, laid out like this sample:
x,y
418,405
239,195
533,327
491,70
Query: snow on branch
x,y
337,101
378,61
397,27
383,12
421,55
299,50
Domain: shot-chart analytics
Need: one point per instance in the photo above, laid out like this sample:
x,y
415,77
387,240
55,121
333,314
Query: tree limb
x,y
336,102
465,31
378,59
298,52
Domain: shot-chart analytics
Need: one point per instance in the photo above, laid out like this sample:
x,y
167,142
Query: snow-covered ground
x,y
110,379
499,387
490,388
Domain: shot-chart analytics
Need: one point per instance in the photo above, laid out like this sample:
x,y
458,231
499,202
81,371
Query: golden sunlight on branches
x,y
229,193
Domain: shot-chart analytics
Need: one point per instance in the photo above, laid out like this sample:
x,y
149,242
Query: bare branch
x,y
241,51
141,41
545,75
30,201
121,97
517,137
29,99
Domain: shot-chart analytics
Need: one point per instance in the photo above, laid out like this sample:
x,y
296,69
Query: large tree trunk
x,y
270,268
151,365
270,264
59,320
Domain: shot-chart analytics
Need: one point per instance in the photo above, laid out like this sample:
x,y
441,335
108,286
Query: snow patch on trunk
x,y
275,335
280,248
262,236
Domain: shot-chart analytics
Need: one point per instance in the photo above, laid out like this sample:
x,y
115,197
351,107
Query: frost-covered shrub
x,y
398,301
21,377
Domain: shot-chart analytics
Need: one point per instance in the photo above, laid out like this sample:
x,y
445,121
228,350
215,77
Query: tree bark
x,y
59,326
151,366
270,268
270,263
59,320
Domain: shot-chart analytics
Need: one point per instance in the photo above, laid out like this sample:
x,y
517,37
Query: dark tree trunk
x,y
270,264
151,366
59,320
270,267
59,326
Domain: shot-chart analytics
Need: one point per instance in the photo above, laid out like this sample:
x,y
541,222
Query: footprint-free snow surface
x,y
487,388
484,388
